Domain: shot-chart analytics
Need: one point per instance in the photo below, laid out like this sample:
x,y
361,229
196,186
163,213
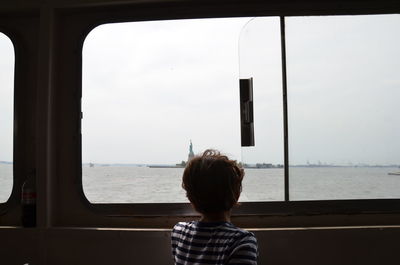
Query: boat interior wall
x,y
63,246
271,7
48,37
23,31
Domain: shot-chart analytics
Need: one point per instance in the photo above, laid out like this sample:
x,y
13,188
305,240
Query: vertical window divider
x,y
285,108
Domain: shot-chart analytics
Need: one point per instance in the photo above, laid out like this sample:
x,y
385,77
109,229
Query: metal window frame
x,y
83,20
20,30
285,208
52,142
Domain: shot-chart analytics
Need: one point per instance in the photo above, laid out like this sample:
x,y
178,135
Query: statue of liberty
x,y
191,154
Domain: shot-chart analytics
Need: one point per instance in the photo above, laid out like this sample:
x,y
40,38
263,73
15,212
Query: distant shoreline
x,y
248,166
161,166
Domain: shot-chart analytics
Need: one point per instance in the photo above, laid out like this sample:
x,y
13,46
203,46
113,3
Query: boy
x,y
213,184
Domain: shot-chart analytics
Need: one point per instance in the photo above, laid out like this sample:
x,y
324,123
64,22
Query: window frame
x,y
22,31
286,206
104,213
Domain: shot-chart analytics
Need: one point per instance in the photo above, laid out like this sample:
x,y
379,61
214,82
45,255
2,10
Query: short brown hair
x,y
213,182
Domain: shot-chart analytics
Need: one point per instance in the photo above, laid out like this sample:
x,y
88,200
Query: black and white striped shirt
x,y
212,243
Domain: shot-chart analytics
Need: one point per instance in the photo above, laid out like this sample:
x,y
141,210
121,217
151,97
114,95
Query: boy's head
x,y
212,182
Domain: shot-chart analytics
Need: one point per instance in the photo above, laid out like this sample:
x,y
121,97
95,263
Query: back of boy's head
x,y
212,182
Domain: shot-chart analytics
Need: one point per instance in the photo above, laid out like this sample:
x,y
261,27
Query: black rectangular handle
x,y
246,112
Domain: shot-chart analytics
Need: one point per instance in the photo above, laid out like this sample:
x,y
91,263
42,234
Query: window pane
x,y
6,116
343,94
149,88
260,59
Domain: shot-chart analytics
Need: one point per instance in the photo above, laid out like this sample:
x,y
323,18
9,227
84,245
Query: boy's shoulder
x,y
181,225
226,227
242,234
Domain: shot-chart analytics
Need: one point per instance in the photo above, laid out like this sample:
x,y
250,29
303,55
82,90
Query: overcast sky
x,y
6,97
151,87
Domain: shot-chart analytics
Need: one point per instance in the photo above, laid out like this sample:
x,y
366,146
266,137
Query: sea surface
x,y
130,184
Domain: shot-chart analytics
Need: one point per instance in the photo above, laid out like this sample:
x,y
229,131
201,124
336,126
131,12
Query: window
x,y
343,92
150,89
260,59
6,116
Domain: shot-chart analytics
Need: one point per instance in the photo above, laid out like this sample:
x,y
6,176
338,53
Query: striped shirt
x,y
212,243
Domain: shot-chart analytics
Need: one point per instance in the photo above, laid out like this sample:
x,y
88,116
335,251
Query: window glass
x,y
260,60
150,91
343,98
153,89
6,116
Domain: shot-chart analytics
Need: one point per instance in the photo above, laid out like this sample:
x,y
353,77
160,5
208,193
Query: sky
x,y
149,88
6,97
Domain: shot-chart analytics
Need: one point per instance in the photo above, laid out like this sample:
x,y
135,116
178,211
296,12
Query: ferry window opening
x,y
343,89
6,116
147,86
150,89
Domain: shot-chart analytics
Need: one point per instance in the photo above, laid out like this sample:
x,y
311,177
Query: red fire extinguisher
x,y
28,201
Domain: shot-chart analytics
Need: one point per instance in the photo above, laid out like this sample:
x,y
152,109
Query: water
x,y
142,184
6,181
110,184
328,183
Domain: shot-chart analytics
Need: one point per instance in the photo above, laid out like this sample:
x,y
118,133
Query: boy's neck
x,y
216,217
